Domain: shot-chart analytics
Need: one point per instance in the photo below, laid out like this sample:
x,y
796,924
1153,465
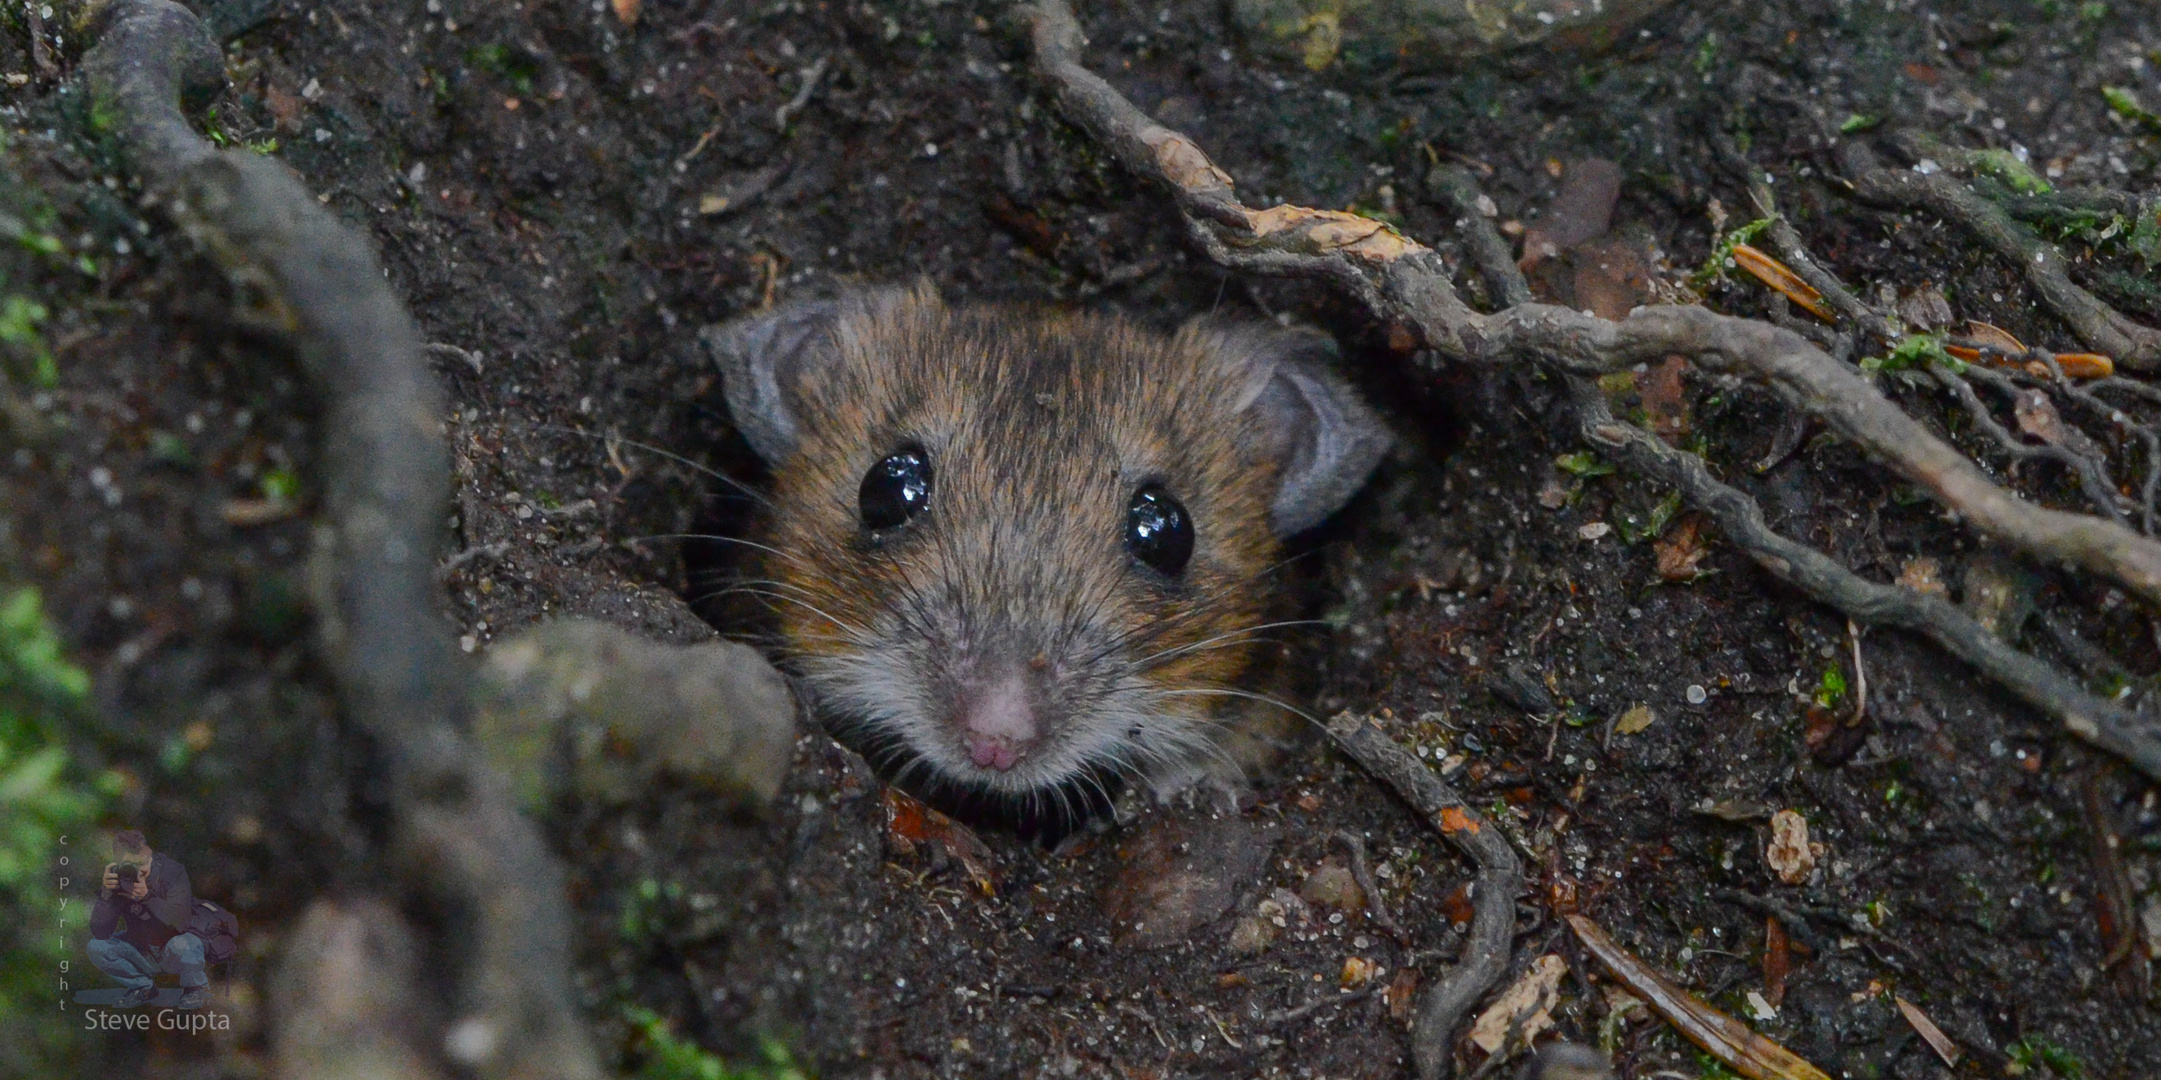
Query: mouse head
x,y
1012,548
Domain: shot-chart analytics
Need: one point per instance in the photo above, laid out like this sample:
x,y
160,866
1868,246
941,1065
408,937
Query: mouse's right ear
x,y
763,359
770,361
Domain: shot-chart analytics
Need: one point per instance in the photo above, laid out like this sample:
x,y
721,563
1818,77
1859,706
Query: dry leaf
x,y
1184,164
2085,365
1456,906
1332,230
1612,275
1723,1037
1665,399
911,828
1525,1009
1923,575
1635,720
1926,308
1995,337
1771,272
1777,960
249,513
1357,972
1680,550
1930,1033
1324,39
1401,990
1789,853
1734,810
2038,417
1582,211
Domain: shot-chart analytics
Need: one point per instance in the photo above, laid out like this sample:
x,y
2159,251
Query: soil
x,y
567,198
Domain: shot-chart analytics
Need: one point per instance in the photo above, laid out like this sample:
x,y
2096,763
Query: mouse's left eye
x,y
1159,532
895,490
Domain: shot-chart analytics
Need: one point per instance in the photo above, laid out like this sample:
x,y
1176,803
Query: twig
x,y
2115,900
2092,476
1300,1012
456,562
456,838
1362,872
1860,677
1794,920
1406,285
811,77
41,54
1453,182
471,359
1500,877
703,26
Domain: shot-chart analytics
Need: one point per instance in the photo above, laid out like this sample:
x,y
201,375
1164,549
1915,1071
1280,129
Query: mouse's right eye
x,y
895,490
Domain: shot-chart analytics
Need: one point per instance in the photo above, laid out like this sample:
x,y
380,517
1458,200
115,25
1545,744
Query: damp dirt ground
x,y
566,199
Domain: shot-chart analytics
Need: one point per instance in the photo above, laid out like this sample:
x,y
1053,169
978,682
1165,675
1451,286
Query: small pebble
x,y
1697,695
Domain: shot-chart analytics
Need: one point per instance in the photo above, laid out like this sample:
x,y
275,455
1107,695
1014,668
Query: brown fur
x,y
1039,429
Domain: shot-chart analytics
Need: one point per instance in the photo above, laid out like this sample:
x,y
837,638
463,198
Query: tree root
x,y
2082,456
456,838
2097,324
1406,285
1485,957
577,707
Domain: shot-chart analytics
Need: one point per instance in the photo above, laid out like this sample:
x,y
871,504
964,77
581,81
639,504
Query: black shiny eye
x,y
1158,531
895,490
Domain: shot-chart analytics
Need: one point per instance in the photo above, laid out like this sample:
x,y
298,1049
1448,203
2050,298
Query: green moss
x,y
2034,1051
2015,174
665,1055
513,66
1714,268
2126,104
20,318
1583,463
1831,687
1914,351
280,484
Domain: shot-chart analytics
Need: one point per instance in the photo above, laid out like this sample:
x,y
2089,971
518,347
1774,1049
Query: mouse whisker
x,y
1219,691
742,588
717,538
649,448
729,584
1222,640
856,634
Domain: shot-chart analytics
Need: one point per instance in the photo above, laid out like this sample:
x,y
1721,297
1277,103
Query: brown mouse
x,y
1014,549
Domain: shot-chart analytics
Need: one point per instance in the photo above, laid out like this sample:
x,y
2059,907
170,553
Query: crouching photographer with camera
x,y
140,925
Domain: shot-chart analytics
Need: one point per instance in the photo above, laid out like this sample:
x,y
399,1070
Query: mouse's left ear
x,y
1311,421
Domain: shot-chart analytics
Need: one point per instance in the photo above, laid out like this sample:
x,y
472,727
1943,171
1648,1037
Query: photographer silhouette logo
x,y
146,925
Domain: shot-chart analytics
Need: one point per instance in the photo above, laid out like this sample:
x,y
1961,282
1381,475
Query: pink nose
x,y
993,753
999,724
